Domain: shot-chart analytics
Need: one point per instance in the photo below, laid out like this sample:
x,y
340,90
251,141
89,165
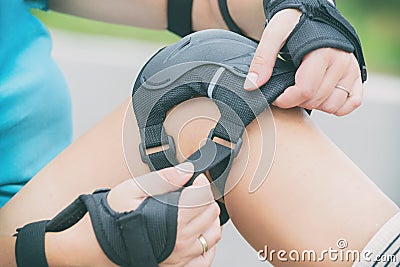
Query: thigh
x,y
313,196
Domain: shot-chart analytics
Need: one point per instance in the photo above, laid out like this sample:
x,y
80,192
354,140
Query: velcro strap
x,y
282,77
115,241
320,26
154,135
30,246
135,225
209,156
68,217
228,130
161,160
217,159
154,226
319,35
180,17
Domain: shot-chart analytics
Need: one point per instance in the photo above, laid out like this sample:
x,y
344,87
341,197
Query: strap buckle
x,y
170,152
235,150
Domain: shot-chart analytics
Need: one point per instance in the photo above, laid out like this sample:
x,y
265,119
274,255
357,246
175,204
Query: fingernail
x,y
185,168
251,80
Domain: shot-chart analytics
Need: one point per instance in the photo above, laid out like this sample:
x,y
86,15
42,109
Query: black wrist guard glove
x,y
321,25
140,238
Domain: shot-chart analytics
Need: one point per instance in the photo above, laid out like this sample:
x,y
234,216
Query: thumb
x,y
198,194
201,180
129,194
163,181
272,40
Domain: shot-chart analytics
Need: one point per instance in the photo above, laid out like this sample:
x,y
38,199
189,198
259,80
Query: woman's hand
x,y
318,77
77,246
192,223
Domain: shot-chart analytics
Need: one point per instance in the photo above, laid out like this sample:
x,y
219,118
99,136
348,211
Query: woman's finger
x,y
161,182
336,70
195,200
129,195
201,223
203,260
354,101
272,40
188,237
213,234
334,102
309,77
342,91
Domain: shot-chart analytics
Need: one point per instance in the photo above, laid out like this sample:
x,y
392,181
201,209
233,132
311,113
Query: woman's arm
x,y
140,13
77,245
7,257
313,194
315,87
152,14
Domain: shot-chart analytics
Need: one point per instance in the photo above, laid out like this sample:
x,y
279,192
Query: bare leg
x,y
313,195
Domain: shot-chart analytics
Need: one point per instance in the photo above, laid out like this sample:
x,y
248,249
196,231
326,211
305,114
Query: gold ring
x,y
203,243
344,89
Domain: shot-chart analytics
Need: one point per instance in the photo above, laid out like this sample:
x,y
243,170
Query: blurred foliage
x,y
377,23
71,23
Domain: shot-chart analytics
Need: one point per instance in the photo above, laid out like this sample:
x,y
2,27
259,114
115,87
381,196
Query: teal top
x,y
35,106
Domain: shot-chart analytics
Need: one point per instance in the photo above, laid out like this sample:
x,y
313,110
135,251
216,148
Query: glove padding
x,y
321,25
140,238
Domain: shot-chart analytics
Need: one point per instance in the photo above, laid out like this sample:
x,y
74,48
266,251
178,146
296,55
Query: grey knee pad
x,y
212,64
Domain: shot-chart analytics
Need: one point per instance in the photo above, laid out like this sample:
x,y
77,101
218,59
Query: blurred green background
x,y
377,23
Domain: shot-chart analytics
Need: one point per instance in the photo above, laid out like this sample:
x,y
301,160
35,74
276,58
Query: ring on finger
x,y
344,89
203,243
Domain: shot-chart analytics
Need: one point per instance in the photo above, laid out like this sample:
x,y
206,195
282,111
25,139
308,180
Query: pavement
x,y
100,72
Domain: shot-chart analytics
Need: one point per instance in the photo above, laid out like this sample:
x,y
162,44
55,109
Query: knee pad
x,y
321,25
213,64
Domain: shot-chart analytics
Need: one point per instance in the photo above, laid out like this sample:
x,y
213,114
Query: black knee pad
x,y
212,64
